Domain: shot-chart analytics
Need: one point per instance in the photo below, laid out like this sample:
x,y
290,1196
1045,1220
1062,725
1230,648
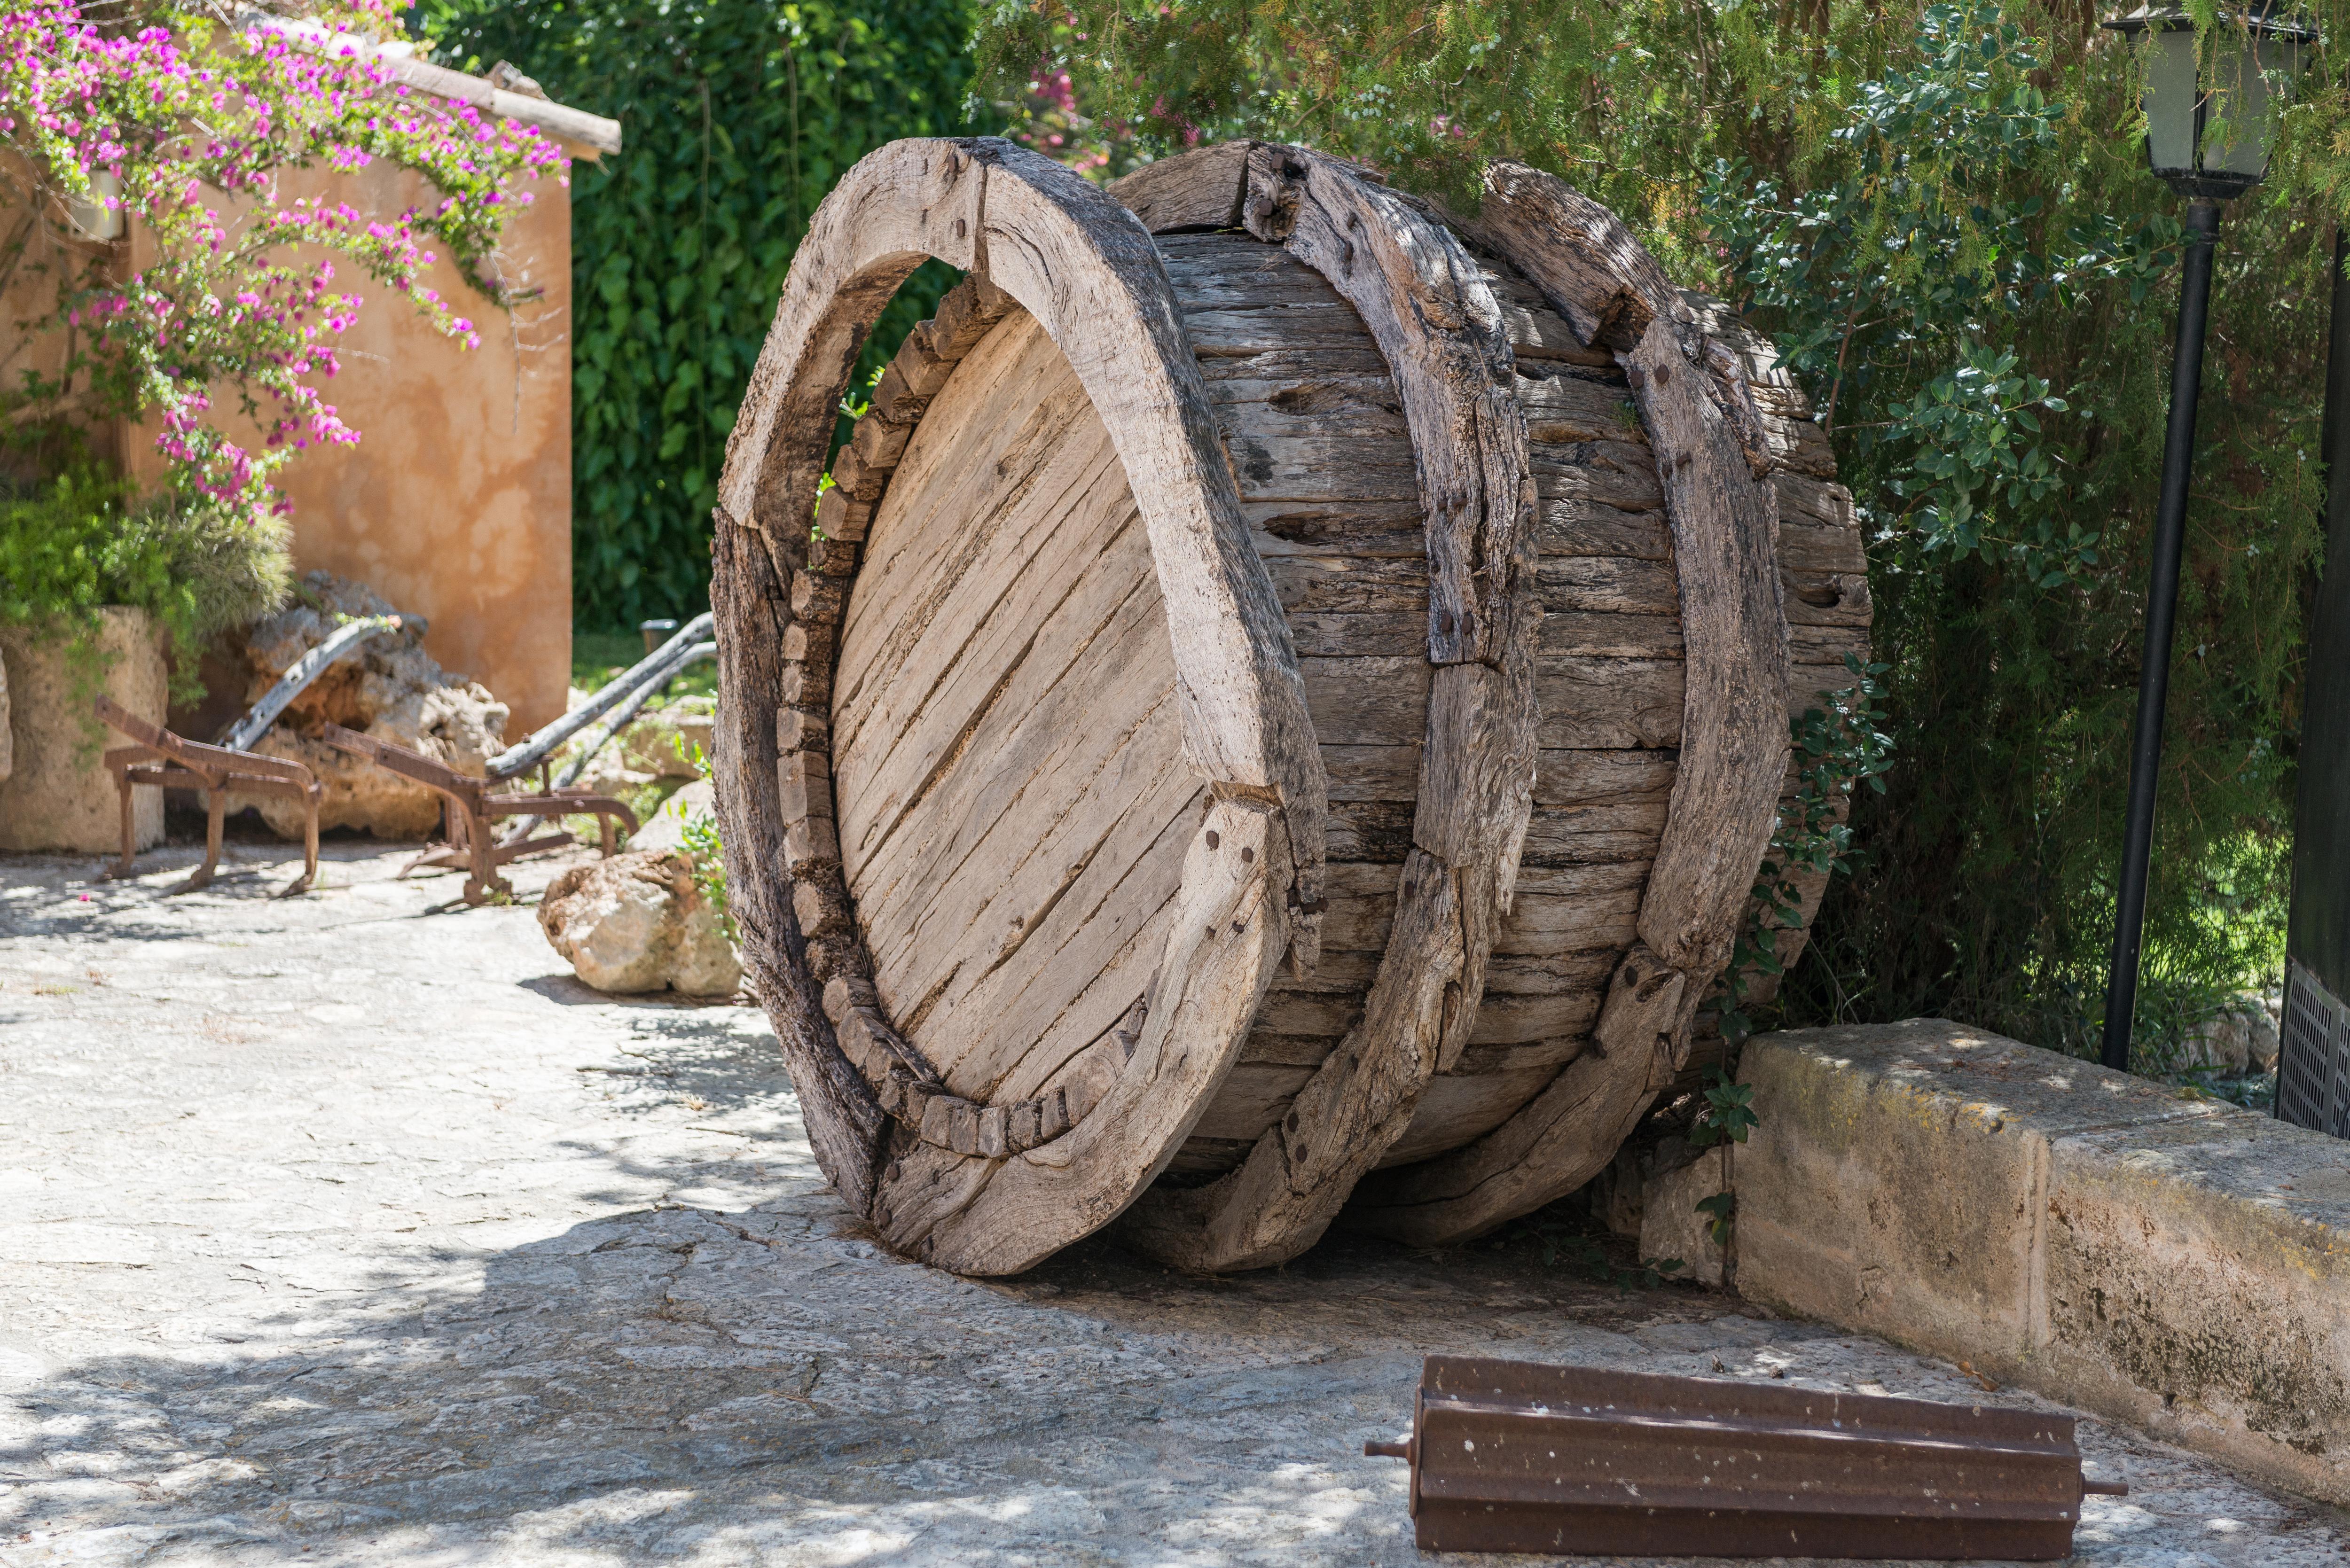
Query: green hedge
x,y
738,116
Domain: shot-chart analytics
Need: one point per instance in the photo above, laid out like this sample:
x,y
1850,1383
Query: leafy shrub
x,y
79,542
158,108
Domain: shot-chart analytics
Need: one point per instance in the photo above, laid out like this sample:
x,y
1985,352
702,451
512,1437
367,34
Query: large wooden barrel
x,y
1278,710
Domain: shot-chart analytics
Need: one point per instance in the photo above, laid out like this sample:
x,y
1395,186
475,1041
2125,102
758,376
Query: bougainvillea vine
x,y
163,112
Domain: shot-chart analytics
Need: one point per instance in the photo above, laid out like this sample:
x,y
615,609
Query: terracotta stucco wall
x,y
456,502
28,294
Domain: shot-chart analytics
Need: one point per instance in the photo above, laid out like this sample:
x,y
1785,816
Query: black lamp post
x,y
2207,136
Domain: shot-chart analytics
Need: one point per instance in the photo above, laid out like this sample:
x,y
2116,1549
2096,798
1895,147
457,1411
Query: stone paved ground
x,y
349,1229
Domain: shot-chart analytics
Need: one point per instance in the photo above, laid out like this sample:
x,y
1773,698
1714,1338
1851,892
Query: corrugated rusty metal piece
x,y
1507,1456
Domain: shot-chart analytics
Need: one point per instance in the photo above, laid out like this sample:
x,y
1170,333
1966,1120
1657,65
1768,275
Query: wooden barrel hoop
x,y
1440,329
1713,460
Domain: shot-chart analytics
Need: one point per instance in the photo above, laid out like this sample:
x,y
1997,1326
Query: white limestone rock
x,y
391,688
2242,1038
637,922
665,832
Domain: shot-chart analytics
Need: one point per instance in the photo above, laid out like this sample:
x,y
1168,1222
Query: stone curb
x,y
2175,1264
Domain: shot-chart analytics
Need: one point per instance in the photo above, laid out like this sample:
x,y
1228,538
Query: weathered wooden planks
x,y
1470,705
1007,754
1607,598
1715,465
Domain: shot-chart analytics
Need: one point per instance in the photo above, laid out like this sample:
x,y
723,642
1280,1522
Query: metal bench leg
x,y
481,877
129,827
215,811
310,846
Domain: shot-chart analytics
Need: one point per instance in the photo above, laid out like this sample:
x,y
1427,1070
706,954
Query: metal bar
x,y
2161,622
399,759
602,737
298,677
1514,1456
657,666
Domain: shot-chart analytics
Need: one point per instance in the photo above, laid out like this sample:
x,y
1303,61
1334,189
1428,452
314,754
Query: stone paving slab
x,y
349,1229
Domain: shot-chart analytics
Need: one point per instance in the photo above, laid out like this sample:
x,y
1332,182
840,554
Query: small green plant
x,y
1724,1207
1838,748
851,411
1728,1113
699,834
77,543
1726,1117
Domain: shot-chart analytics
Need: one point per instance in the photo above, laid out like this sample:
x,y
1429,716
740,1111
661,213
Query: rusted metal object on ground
x,y
1508,1455
160,759
471,804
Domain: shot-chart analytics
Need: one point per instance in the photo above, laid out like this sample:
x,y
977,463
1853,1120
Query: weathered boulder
x,y
638,922
59,794
391,688
2243,1037
665,831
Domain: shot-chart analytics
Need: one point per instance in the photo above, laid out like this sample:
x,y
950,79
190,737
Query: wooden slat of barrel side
x,y
1611,689
1462,1106
1008,761
1323,460
1610,678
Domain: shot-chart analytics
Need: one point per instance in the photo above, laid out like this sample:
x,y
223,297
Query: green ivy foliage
x,y
1942,214
738,117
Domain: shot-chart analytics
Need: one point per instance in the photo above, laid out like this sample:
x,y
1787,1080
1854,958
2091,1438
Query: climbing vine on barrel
x,y
1838,749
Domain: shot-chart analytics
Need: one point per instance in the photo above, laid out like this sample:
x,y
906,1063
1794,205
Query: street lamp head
x,y
2207,129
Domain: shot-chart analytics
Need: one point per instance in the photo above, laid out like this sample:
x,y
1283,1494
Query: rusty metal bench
x,y
470,804
162,759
